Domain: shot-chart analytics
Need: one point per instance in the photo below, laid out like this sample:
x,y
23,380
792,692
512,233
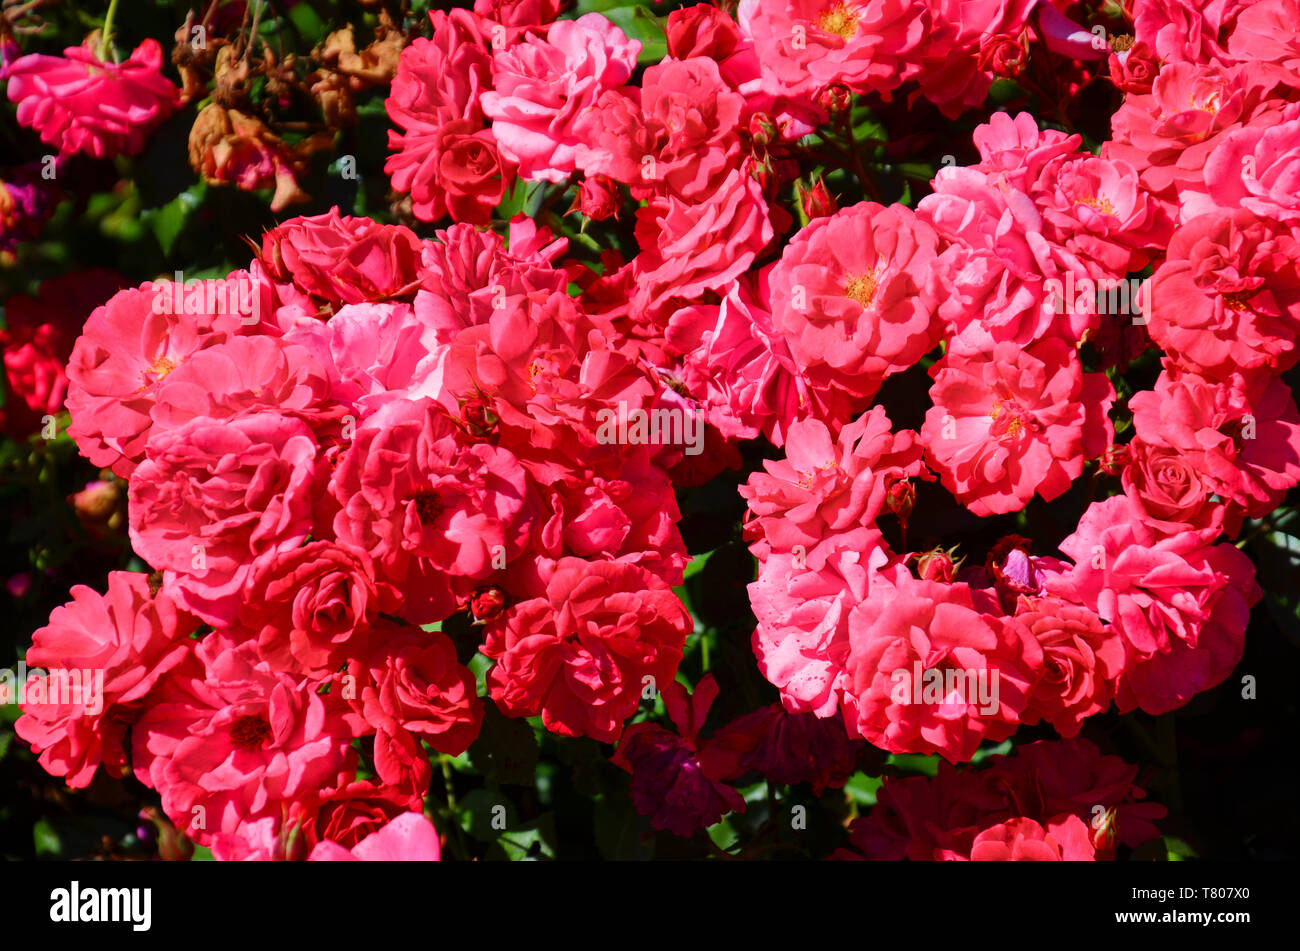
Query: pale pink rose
x,y
541,85
802,637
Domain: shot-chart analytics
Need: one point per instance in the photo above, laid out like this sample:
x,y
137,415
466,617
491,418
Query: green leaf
x,y
640,24
1178,850
530,842
618,831
168,221
480,814
506,749
48,844
862,788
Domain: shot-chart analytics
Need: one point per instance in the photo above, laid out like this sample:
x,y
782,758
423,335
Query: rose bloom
x,y
689,249
338,259
825,487
430,510
410,837
80,103
126,348
1227,297
213,495
948,64
1135,69
1242,434
1180,603
541,85
801,640
413,683
804,45
1096,208
1014,421
1265,34
1082,660
1181,32
130,634
940,627
850,297
230,734
1168,135
38,339
311,608
243,375
579,655
1023,840
685,119
1255,168
1168,489
443,157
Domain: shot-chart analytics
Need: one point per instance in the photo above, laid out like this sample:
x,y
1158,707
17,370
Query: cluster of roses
x,y
388,431
315,491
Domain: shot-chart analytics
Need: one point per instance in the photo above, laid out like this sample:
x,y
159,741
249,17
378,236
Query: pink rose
x,y
214,495
850,297
80,103
1024,840
409,838
132,637
541,85
1014,421
228,740
580,655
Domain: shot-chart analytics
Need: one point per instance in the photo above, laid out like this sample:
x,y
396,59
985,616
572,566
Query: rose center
x,y
1102,204
861,289
428,505
250,732
841,20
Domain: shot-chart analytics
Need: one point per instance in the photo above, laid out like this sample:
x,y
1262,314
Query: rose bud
x,y
1114,459
834,98
598,198
701,30
762,130
478,418
815,199
1011,567
487,604
99,507
900,497
938,565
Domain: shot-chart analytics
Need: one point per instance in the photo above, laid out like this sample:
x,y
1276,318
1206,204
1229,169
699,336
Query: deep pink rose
x,y
80,103
213,495
130,635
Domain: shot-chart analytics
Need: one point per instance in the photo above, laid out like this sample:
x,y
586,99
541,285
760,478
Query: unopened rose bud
x,y
900,498
937,565
478,418
762,130
1114,459
487,604
762,171
598,198
99,507
1104,832
815,199
834,98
